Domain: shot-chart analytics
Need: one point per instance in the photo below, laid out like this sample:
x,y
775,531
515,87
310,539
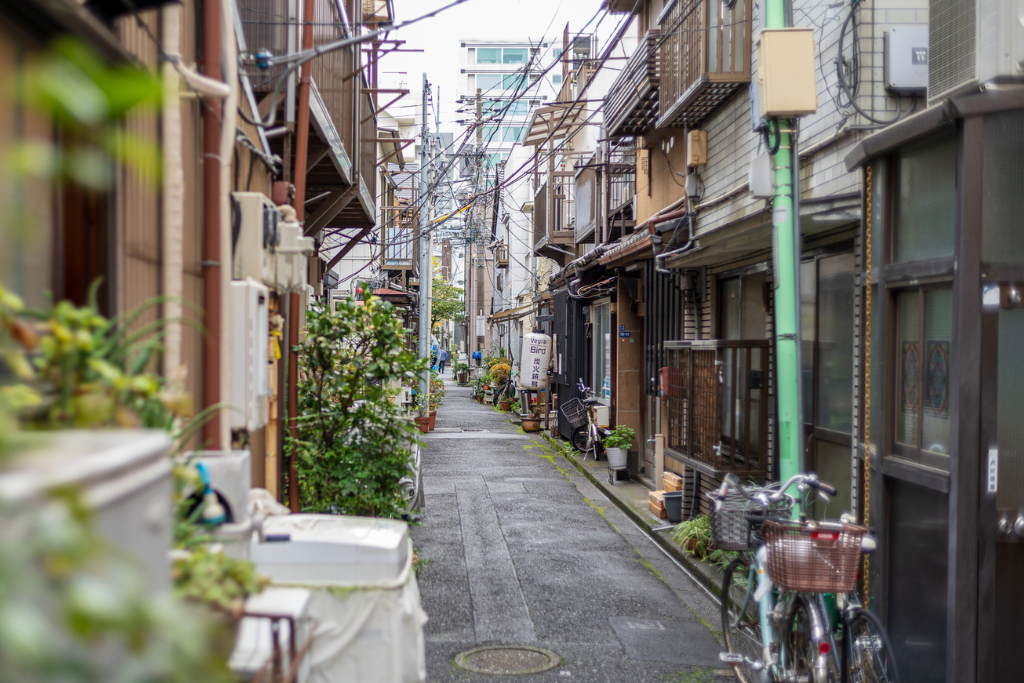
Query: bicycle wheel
x,y
798,650
739,620
869,650
579,439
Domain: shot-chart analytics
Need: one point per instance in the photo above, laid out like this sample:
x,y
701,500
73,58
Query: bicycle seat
x,y
591,401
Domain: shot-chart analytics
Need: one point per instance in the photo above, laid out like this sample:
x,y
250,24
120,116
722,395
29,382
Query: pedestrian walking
x,y
441,358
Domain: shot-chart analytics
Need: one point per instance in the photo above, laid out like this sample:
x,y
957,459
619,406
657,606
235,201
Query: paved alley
x,y
523,550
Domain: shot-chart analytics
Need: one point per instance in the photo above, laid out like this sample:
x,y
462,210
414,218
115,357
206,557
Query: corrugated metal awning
x,y
553,122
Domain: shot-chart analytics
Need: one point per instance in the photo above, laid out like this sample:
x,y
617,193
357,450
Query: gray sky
x,y
487,19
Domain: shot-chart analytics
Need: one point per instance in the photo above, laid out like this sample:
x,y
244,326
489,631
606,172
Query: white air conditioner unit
x,y
258,235
249,339
972,42
292,255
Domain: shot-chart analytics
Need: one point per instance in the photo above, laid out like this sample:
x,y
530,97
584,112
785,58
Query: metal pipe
x,y
294,312
172,206
211,263
302,116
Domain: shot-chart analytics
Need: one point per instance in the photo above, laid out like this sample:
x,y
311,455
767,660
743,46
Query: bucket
x,y
674,506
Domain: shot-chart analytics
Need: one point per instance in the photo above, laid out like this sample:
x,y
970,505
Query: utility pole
x,y
470,293
786,232
425,255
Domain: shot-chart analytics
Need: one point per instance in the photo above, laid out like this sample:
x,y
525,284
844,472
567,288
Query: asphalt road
x,y
521,549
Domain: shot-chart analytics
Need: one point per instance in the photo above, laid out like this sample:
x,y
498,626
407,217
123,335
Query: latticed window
x,y
717,404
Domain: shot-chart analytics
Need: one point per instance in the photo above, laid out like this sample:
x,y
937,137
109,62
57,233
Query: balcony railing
x,y
718,406
501,256
705,59
586,204
631,106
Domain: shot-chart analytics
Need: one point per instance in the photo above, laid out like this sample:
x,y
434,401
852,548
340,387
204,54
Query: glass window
x,y
488,55
512,133
834,409
601,320
1002,178
514,55
488,81
556,52
556,79
512,81
743,307
490,133
924,330
925,201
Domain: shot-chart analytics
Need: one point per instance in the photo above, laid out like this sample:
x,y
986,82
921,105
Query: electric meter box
x,y
785,73
906,60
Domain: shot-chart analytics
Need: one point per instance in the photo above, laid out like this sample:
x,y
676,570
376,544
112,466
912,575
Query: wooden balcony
x,y
631,106
718,406
705,60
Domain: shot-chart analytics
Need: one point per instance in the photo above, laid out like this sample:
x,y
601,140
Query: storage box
x,y
656,504
658,511
656,497
672,481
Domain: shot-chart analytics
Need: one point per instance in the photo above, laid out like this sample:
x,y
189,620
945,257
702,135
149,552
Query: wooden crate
x,y
672,481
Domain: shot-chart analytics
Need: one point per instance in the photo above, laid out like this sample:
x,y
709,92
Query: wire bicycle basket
x,y
575,412
818,557
730,529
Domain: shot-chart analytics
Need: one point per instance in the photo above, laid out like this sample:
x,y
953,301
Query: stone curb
x,y
708,575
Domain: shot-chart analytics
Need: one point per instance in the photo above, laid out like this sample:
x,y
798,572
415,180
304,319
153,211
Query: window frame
x,y
916,453
601,307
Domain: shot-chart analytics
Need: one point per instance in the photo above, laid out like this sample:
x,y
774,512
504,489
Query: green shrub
x,y
697,530
355,441
621,437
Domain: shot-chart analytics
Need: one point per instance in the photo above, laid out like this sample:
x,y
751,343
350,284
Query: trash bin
x,y
365,600
674,506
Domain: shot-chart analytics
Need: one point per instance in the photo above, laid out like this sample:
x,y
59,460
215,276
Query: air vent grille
x,y
952,58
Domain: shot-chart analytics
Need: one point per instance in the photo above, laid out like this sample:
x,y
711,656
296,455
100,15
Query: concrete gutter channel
x,y
707,575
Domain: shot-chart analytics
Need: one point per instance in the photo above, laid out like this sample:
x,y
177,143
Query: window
x,y
512,133
488,81
556,52
743,307
513,81
556,79
600,318
513,55
925,201
488,55
924,328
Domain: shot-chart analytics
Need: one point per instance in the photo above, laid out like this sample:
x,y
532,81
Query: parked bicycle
x,y
785,571
586,435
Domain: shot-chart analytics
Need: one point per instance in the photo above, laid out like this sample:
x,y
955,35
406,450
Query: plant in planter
x,y
461,370
354,444
694,536
617,445
515,407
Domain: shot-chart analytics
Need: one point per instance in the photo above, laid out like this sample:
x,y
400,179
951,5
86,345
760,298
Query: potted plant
x,y
505,403
694,536
434,400
617,445
461,369
531,423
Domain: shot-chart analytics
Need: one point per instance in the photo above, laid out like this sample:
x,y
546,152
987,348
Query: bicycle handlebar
x,y
771,493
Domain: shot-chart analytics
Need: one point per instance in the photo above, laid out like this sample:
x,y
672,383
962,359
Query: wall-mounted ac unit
x,y
972,42
258,235
249,339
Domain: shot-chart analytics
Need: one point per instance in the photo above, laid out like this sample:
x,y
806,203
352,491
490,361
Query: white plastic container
x,y
365,599
231,477
254,646
536,357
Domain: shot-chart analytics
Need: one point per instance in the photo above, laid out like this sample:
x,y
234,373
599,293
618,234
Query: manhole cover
x,y
508,660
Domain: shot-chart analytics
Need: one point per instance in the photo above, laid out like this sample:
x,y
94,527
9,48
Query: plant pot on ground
x,y
531,423
433,418
617,446
422,423
694,536
506,404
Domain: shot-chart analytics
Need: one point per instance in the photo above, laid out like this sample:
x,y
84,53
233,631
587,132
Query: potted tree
x,y
617,445
434,400
461,369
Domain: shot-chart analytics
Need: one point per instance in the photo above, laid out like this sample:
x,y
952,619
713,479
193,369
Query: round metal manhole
x,y
507,660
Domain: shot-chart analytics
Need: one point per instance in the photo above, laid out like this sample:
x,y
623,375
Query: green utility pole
x,y
786,250
425,255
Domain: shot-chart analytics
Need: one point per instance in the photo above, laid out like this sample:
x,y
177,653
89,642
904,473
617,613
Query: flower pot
x,y
506,405
531,424
616,457
423,424
432,418
463,378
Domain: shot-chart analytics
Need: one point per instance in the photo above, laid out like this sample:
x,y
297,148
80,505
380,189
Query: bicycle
x,y
586,435
806,560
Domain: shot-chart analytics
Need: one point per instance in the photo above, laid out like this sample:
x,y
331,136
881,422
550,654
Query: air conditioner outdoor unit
x,y
249,339
972,42
257,222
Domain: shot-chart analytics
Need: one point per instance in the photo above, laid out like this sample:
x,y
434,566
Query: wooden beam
x,y
393,153
347,248
377,109
331,207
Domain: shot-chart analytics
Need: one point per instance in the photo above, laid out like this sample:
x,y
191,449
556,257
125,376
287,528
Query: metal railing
x,y
718,405
631,106
705,59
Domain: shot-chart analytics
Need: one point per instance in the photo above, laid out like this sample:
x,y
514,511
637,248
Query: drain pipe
x,y
299,202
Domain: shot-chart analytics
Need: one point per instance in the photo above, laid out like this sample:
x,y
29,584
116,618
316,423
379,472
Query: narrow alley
x,y
521,549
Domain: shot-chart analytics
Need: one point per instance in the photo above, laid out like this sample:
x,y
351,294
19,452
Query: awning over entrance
x,y
553,122
755,232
